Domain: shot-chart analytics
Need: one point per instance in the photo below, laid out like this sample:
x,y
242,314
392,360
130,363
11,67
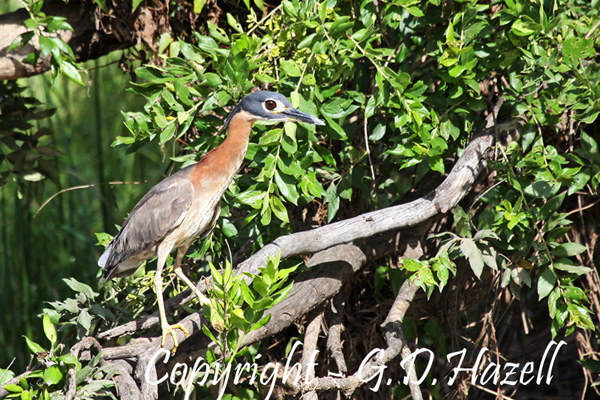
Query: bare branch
x,y
394,335
339,250
334,339
441,200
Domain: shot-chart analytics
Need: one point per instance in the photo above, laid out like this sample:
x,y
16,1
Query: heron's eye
x,y
270,105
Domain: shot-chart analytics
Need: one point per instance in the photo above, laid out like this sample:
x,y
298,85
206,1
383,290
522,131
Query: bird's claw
x,y
170,329
204,301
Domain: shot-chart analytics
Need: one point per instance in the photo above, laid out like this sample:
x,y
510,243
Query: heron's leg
x,y
177,268
166,327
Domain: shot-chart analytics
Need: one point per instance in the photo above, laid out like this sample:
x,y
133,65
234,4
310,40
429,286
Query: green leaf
x,y
33,346
462,222
589,146
577,48
271,137
52,375
135,4
564,264
378,132
259,285
474,256
282,294
332,200
209,333
290,68
198,6
542,189
415,11
247,294
551,206
568,249
79,287
85,320
229,229
5,376
234,23
334,129
287,187
590,364
251,197
183,93
49,329
168,133
263,303
58,23
289,143
13,388
68,359
49,46
575,293
521,28
265,320
102,4
71,72
279,209
213,79
412,265
546,283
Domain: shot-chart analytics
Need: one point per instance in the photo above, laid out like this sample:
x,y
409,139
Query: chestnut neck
x,y
225,160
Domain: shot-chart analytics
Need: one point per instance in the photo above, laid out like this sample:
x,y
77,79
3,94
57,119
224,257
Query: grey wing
x,y
161,210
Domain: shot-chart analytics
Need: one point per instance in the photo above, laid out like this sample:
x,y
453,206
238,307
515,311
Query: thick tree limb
x,y
90,38
340,249
442,199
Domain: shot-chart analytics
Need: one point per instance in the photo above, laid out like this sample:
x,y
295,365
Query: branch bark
x,y
439,201
91,38
339,250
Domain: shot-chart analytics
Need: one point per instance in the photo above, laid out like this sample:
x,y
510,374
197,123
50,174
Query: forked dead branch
x,y
337,251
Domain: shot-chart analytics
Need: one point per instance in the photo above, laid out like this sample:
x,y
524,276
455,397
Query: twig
x,y
259,23
395,336
365,132
7,368
91,185
311,338
334,338
88,343
499,396
592,30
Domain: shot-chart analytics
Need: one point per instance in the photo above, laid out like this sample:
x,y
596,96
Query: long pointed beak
x,y
293,114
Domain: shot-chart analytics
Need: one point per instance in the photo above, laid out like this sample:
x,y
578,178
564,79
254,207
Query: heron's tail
x,y
102,262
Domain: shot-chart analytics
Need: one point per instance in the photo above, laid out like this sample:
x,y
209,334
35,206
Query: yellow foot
x,y
170,329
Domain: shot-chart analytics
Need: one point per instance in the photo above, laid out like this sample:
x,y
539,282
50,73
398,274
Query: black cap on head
x,y
271,106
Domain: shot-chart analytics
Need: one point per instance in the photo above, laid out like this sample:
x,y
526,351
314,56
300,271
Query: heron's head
x,y
271,106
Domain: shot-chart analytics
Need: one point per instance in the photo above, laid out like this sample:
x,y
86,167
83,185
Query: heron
x,y
186,205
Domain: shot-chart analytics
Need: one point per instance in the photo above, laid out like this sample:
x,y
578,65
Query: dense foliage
x,y
402,86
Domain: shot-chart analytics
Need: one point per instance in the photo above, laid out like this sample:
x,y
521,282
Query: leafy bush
x,y
398,84
402,85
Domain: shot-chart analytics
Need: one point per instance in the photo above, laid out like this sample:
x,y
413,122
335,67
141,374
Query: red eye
x,y
270,104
